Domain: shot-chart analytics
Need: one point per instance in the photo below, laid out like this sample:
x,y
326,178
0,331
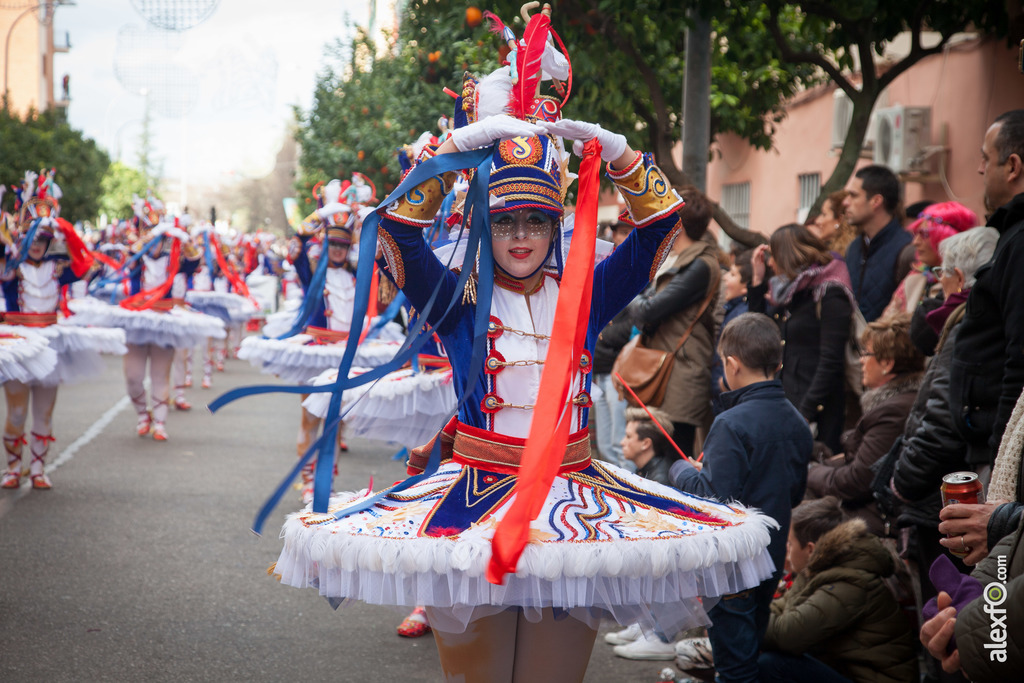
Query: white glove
x,y
612,144
483,133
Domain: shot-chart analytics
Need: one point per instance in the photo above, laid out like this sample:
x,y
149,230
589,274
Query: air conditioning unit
x,y
842,116
902,137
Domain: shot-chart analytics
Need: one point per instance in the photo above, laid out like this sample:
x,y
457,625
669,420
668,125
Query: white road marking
x,y
94,430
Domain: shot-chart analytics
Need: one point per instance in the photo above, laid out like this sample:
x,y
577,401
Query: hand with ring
x,y
966,530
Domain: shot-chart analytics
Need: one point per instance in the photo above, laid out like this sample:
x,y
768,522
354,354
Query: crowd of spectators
x,y
873,575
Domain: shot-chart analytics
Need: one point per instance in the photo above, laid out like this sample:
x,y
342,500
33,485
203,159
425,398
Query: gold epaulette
x,y
646,191
420,205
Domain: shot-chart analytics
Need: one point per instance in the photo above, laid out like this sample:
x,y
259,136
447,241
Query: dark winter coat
x,y
931,447
841,612
814,354
885,415
657,468
756,453
976,628
988,363
610,341
872,267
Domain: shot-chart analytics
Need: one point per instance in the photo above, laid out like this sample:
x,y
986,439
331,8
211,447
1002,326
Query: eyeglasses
x,y
531,226
940,271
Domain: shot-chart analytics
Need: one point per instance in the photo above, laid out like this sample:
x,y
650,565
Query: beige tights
x,y
506,647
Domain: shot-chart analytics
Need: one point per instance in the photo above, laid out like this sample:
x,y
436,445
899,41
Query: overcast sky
x,y
221,93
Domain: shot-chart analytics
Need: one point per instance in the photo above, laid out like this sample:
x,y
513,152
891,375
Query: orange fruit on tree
x,y
473,16
360,155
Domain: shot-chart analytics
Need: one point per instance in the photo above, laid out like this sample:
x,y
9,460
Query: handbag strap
x,y
703,307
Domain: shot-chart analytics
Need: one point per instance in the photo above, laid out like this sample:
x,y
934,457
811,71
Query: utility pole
x,y
697,100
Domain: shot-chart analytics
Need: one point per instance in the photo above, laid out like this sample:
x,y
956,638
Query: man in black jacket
x,y
987,373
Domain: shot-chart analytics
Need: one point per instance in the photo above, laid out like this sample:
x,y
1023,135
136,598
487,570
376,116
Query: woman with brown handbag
x,y
677,313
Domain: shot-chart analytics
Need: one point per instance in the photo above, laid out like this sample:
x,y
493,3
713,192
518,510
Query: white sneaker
x,y
625,636
694,653
647,647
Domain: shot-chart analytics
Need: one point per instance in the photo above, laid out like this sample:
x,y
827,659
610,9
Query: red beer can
x,y
961,488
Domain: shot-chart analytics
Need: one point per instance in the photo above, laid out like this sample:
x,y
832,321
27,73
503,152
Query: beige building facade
x,y
27,58
928,125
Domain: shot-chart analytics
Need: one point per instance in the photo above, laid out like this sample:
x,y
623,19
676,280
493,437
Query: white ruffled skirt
x,y
402,407
227,306
606,544
178,328
297,359
78,350
25,355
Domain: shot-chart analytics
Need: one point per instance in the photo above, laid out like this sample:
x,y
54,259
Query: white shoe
x,y
694,653
625,636
648,648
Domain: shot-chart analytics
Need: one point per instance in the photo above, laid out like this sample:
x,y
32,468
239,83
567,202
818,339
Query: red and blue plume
x,y
528,68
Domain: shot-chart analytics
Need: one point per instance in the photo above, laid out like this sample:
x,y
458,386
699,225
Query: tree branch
x,y
806,57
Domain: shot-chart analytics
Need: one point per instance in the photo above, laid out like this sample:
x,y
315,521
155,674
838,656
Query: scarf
x,y
815,278
937,318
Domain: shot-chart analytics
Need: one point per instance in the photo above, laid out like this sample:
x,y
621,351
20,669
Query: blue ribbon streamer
x,y
387,316
23,247
324,446
125,270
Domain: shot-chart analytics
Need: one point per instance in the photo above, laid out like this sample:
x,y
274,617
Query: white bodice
x,y
154,271
179,286
221,284
201,281
519,385
38,289
339,297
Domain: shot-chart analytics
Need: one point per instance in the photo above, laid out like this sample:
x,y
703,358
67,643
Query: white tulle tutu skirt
x,y
79,350
606,543
402,407
298,359
228,307
25,355
178,328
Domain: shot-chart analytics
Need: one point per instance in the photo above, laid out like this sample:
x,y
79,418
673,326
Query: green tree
x,y
42,141
839,35
118,185
627,75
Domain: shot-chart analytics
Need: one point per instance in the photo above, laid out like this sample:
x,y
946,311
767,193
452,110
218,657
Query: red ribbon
x,y
146,299
81,257
549,430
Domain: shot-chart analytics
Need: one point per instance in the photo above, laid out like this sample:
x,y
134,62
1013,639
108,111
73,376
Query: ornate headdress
x,y
34,201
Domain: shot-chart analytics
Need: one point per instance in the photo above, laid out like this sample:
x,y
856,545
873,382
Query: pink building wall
x,y
966,87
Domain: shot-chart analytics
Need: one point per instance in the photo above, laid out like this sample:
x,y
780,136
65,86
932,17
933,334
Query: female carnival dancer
x,y
32,282
315,342
516,567
154,322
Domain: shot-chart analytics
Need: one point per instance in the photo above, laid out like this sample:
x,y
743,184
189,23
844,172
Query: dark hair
x,y
812,519
794,248
1010,138
753,339
696,214
880,180
915,210
890,340
743,264
646,429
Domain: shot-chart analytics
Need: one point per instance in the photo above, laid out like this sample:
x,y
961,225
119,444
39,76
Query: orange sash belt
x,y
30,319
495,452
325,336
167,304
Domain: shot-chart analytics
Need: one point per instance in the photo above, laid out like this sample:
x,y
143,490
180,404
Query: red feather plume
x,y
524,92
497,25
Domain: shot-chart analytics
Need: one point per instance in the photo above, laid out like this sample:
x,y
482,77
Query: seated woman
x,y
838,623
892,368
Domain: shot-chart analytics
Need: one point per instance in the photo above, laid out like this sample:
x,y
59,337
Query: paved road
x,y
140,566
